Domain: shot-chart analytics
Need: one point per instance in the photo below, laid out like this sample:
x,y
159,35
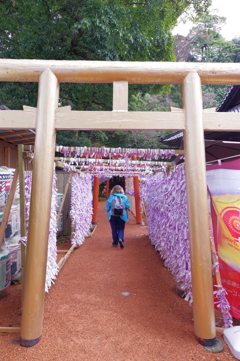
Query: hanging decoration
x,y
108,162
165,198
223,305
103,152
129,188
52,269
28,187
108,168
81,207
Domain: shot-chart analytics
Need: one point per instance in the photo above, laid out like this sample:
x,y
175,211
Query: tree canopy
x,y
204,43
116,30
91,29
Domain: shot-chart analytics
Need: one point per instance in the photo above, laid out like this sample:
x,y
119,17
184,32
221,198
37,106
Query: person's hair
x,y
117,189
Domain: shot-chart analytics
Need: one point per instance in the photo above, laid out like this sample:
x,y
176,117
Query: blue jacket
x,y
124,217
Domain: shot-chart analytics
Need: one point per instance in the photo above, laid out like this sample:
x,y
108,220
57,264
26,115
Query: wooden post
x,y
120,95
7,157
64,258
107,188
36,258
95,199
10,329
8,205
200,252
137,196
64,196
22,212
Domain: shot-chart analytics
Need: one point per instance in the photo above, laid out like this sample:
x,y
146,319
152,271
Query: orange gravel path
x,y
87,318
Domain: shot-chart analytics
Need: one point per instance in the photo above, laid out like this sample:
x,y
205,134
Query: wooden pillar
x,y
37,247
22,211
120,96
107,188
137,196
8,206
7,157
195,165
95,199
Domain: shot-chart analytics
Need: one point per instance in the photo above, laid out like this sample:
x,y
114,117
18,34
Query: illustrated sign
x,y
224,187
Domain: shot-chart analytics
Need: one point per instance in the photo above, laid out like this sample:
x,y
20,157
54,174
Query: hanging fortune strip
x,y
166,203
81,207
165,198
52,268
112,167
109,162
103,152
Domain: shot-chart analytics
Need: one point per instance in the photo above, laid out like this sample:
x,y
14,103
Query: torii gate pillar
x,y
200,252
137,196
95,199
37,246
107,188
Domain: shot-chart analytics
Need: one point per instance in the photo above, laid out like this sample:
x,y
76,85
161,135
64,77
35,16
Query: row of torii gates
x,y
112,162
47,118
96,195
135,200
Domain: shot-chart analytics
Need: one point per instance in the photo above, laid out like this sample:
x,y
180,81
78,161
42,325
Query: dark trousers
x,y
117,226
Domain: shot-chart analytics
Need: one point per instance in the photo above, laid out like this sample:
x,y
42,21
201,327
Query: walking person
x,y
117,206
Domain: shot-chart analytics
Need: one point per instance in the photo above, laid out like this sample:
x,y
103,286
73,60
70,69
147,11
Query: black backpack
x,y
117,206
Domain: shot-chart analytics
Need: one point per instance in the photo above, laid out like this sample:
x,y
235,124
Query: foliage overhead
x,y
116,30
91,29
110,30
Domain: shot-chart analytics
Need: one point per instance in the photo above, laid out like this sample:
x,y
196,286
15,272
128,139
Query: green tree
x,y
236,54
87,30
116,30
207,44
204,43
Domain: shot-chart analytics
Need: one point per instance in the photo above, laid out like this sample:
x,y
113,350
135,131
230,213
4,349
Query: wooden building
x,y
9,140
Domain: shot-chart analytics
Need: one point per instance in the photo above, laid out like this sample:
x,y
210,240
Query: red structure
x,y
107,188
137,196
95,199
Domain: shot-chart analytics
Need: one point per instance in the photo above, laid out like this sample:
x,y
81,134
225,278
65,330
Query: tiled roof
x,y
230,103
230,100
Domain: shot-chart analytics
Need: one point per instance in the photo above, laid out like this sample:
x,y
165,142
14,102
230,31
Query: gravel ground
x,y
88,318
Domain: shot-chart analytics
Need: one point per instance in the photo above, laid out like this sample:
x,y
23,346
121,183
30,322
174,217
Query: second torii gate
x,y
48,117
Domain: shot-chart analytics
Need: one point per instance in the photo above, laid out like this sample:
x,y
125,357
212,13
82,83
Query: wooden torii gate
x,y
48,117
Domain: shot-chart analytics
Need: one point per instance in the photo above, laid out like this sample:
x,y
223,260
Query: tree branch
x,y
144,3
